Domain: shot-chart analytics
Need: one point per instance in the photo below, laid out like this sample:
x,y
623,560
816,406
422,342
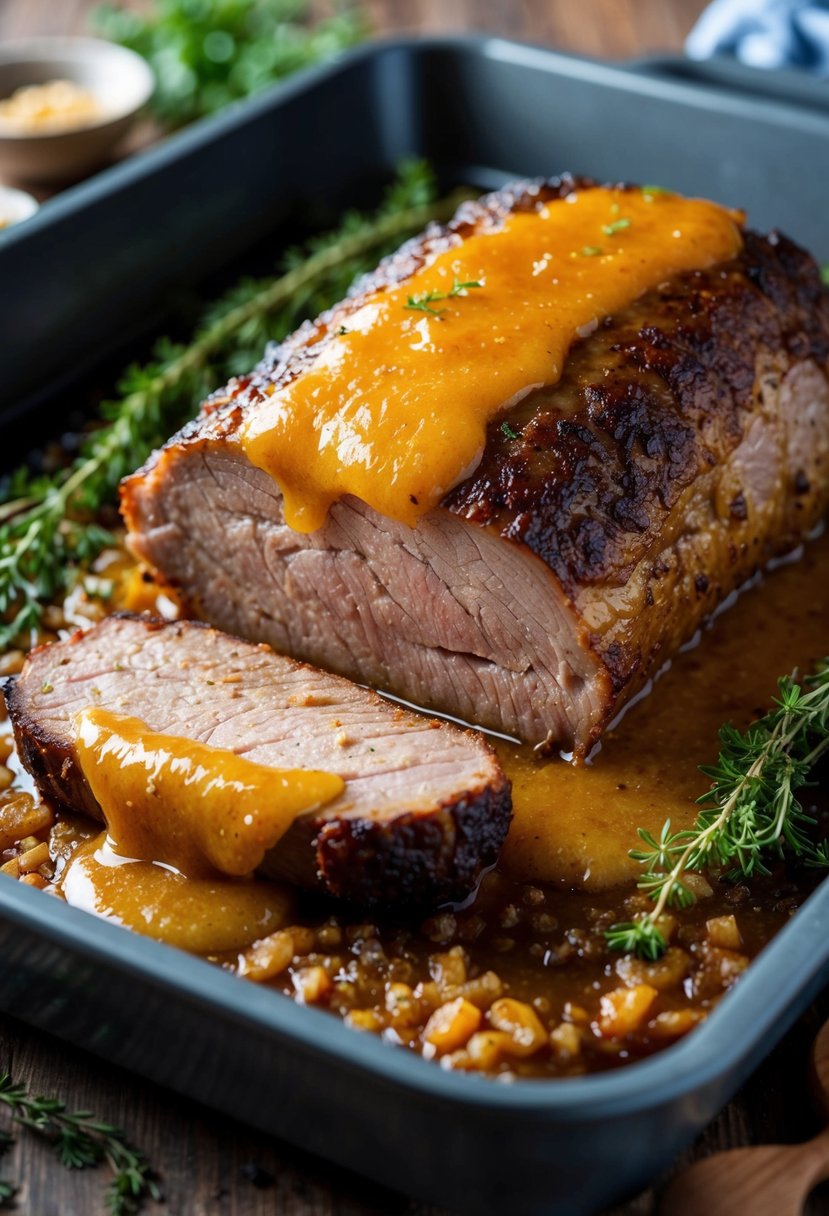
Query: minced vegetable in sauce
x,y
520,982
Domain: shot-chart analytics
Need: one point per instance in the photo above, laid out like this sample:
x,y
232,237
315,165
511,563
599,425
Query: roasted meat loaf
x,y
425,806
684,445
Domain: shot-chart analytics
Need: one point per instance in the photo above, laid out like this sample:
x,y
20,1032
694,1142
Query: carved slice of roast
x,y
425,806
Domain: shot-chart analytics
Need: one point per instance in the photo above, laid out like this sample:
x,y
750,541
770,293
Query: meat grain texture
x,y
685,445
425,807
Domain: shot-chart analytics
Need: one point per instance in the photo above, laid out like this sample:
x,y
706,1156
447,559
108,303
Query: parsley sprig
x,y
206,54
48,529
751,812
81,1141
425,301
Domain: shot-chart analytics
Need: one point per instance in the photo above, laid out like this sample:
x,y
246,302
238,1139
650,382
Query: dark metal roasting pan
x,y
99,268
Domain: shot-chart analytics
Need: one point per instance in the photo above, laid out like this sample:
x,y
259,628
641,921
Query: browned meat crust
x,y
647,408
426,806
685,446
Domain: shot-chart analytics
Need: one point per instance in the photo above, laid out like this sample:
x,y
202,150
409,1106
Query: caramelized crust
x,y
684,447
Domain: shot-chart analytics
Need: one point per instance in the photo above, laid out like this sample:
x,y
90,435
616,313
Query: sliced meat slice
x,y
425,807
685,445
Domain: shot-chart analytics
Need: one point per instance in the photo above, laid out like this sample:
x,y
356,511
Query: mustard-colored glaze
x,y
394,407
198,808
575,824
202,915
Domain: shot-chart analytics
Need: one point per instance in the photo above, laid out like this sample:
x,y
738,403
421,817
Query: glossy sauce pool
x,y
523,969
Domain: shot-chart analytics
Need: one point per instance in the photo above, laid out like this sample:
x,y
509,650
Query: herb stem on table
x,y
81,1141
751,815
47,524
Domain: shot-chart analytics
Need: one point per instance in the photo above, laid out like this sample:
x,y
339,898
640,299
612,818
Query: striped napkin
x,y
765,33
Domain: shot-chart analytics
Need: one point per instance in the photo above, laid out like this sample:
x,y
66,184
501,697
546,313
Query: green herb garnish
x,y
508,431
206,54
751,813
824,274
591,251
48,531
81,1141
651,192
424,302
616,226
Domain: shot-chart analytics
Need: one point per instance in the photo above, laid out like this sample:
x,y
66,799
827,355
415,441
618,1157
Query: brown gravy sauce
x,y
523,969
574,824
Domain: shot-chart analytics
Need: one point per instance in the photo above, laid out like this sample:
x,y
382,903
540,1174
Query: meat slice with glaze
x,y
684,446
425,806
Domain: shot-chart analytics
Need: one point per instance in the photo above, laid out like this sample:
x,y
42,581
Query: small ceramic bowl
x,y
119,80
15,206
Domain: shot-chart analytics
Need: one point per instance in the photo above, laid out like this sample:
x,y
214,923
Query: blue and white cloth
x,y
765,33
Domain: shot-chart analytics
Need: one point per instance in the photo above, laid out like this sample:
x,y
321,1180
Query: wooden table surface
x,y
206,1161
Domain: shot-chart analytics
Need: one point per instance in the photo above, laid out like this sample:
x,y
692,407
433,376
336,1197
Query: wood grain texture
x,y
210,1166
764,1179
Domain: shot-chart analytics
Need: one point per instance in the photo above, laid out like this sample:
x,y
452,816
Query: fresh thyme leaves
x,y
751,813
424,302
81,1141
47,526
591,251
508,431
642,937
652,192
208,53
616,226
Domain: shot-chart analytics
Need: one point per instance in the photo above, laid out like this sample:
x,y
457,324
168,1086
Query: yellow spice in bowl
x,y
58,105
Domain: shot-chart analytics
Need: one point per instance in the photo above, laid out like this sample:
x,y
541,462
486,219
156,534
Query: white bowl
x,y
119,79
15,206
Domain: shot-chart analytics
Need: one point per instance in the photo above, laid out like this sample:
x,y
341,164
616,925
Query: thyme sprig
x,y
48,530
81,1141
752,814
425,301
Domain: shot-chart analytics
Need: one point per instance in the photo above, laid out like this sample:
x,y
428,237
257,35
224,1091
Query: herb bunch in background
x,y
48,526
208,53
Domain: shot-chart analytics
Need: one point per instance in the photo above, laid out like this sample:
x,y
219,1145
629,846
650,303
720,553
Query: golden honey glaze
x,y
575,824
200,915
187,826
197,808
395,405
